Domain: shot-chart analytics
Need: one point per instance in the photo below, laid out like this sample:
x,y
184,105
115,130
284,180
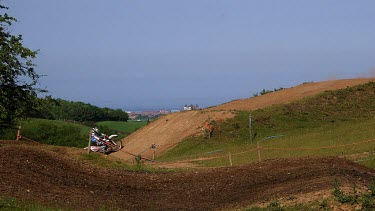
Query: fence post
x,y
230,159
251,128
258,149
89,144
153,147
18,133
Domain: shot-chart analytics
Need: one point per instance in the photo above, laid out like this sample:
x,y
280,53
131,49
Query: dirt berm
x,y
46,177
169,130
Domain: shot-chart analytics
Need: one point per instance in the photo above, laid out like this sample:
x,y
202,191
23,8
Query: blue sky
x,y
158,54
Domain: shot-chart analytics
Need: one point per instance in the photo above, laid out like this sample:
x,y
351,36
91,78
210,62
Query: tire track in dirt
x,y
36,174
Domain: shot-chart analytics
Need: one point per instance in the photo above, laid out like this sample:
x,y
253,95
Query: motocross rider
x,y
97,139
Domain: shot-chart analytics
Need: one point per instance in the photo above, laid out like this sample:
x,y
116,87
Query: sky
x,y
163,54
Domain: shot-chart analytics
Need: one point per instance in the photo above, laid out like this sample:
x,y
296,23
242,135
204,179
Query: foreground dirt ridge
x,y
48,177
169,130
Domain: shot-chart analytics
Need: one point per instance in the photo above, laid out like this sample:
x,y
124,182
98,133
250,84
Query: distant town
x,y
149,115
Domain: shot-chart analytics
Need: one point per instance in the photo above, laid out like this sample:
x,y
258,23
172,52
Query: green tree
x,y
18,94
50,108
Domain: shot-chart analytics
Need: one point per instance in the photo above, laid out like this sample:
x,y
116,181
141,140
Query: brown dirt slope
x,y
43,176
169,130
166,132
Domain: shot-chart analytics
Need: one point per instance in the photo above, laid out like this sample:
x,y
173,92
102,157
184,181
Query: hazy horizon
x,y
140,55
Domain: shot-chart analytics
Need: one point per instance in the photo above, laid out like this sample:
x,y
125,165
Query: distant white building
x,y
191,107
187,108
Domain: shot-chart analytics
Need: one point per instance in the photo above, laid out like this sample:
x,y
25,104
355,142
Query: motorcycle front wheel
x,y
116,146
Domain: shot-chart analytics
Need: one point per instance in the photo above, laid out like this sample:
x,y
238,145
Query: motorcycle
x,y
105,144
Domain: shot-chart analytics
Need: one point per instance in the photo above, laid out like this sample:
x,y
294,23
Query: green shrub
x,y
368,202
139,163
51,132
368,199
55,133
324,205
8,134
371,188
337,192
275,206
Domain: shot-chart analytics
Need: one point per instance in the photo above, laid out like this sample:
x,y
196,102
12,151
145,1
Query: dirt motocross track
x,y
42,175
169,130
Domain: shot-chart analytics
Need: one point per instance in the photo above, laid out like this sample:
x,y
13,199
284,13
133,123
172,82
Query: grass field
x,y
329,119
128,127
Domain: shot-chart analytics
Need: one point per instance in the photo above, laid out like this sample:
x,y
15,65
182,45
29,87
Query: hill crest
x,y
289,94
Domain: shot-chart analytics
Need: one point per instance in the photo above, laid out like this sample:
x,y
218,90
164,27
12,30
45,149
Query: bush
x,y
275,206
8,133
368,202
55,133
371,188
337,192
50,132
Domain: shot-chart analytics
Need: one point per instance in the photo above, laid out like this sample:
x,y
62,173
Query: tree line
x,y
59,109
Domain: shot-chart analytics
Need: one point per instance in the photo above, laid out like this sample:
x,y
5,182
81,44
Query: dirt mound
x,y
291,94
169,130
42,176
